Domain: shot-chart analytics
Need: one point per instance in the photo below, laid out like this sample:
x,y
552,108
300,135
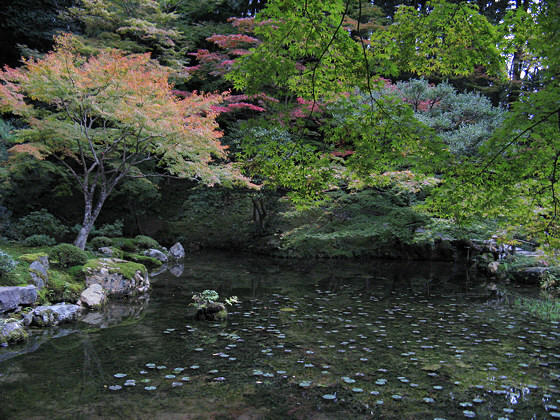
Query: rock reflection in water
x,y
116,312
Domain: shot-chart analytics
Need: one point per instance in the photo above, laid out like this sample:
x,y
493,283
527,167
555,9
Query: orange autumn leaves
x,y
113,104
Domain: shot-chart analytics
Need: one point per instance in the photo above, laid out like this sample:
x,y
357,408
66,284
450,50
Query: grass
x,y
547,309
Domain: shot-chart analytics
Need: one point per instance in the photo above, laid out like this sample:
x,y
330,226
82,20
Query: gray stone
x,y
177,251
12,332
47,316
38,271
154,253
109,274
493,267
94,296
12,297
105,250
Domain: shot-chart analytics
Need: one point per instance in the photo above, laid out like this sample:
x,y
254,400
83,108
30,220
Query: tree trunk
x,y
82,237
90,216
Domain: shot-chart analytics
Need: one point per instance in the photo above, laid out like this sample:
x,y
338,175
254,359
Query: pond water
x,y
309,339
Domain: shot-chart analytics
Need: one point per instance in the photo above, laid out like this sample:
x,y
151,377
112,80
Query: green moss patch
x,y
29,258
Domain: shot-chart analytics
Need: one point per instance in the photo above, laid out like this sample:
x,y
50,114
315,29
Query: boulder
x,y
38,271
119,278
12,332
48,316
177,251
105,250
212,311
530,275
154,253
94,296
12,297
493,267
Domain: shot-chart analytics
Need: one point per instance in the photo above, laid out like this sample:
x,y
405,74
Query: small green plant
x,y
549,281
68,255
38,240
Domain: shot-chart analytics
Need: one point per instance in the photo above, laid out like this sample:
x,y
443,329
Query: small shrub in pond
x,y
39,240
68,255
208,307
100,242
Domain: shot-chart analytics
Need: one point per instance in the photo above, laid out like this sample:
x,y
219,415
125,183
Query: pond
x,y
309,339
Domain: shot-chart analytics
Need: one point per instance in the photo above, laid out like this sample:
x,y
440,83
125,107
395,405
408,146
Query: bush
x,y
39,240
100,242
111,231
68,255
41,223
7,264
126,244
145,242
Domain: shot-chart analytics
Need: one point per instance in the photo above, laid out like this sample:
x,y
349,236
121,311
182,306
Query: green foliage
x,y
39,240
358,224
145,242
6,138
464,121
444,38
281,160
135,26
40,223
475,230
126,244
546,308
110,230
66,255
7,264
100,242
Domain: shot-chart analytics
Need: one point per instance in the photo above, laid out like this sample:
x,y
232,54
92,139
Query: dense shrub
x,y
100,242
39,240
68,255
145,242
41,223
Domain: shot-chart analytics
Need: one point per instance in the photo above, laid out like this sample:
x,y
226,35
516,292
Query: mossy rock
x,y
115,266
119,278
12,332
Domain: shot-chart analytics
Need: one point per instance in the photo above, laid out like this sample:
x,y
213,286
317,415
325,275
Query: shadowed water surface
x,y
314,339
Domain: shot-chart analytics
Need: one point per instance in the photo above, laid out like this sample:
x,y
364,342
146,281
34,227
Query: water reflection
x,y
334,339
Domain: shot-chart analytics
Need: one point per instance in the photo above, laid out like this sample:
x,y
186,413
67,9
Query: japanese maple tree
x,y
102,116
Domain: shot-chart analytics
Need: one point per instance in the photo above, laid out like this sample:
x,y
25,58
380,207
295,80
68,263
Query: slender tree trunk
x,y
90,216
